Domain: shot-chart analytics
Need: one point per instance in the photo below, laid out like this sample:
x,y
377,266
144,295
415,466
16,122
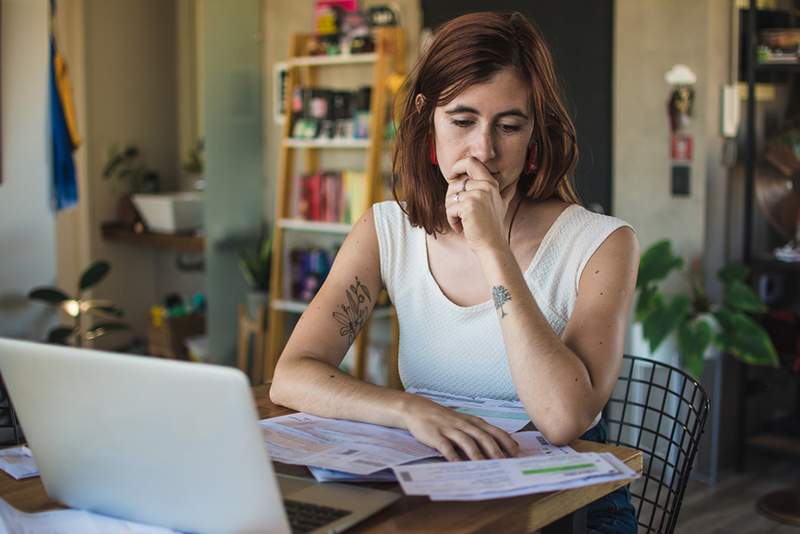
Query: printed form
x,y
492,479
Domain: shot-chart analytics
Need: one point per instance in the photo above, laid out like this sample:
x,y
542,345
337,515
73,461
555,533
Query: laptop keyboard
x,y
305,517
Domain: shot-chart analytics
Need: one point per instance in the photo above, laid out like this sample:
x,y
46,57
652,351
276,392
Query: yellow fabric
x,y
64,88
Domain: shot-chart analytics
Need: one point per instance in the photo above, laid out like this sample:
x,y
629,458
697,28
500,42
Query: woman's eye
x,y
463,123
510,128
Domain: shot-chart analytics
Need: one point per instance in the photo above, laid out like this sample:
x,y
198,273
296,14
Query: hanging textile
x,y
64,133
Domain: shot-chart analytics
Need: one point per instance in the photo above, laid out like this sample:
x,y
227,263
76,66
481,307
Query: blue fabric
x,y
65,188
613,513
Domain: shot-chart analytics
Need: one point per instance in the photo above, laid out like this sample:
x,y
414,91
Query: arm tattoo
x,y
354,311
500,295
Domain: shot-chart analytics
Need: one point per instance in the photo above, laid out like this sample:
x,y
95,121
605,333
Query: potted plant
x,y
79,308
127,166
697,323
256,267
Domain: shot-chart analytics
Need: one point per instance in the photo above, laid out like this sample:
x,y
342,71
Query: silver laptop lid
x,y
162,442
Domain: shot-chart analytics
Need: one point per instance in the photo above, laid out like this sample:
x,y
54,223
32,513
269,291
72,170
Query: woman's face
x,y
490,122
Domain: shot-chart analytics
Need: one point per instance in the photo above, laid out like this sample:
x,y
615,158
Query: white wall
x,y
27,235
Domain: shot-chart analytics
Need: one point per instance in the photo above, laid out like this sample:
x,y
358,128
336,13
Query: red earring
x,y
530,164
434,161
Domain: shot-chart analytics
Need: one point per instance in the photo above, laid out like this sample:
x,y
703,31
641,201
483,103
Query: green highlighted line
x,y
555,469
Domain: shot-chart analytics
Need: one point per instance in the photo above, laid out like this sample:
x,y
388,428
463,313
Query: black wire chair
x,y
661,411
10,431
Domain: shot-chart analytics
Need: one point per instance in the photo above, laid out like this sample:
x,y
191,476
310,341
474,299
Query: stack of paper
x,y
358,448
69,522
363,449
531,443
493,479
18,462
348,451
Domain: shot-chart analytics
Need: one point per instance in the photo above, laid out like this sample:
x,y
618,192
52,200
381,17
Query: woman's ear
x,y
419,102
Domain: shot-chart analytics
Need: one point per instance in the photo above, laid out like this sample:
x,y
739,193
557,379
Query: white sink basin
x,y
171,212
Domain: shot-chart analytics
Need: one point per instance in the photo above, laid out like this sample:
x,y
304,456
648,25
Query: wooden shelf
x,y
300,225
327,143
178,242
778,67
332,61
774,443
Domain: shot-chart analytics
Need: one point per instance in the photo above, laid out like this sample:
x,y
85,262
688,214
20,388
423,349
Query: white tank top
x,y
459,349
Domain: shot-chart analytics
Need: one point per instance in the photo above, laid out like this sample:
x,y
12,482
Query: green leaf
x,y
741,297
644,301
656,263
59,335
732,272
51,295
694,337
745,339
664,318
91,276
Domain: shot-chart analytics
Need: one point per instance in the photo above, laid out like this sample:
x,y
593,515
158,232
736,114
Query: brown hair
x,y
470,50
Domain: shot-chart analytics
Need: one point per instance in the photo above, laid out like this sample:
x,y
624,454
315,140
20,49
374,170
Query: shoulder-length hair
x,y
470,50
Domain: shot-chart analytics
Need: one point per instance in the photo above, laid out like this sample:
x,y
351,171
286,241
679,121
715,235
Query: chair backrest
x,y
661,411
10,431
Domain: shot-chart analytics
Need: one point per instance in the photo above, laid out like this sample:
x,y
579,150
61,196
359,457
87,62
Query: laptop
x,y
168,443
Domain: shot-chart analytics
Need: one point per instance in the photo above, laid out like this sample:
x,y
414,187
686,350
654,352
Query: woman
x,y
504,286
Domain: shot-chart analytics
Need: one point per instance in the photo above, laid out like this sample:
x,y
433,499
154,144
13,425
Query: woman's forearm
x,y
551,380
316,387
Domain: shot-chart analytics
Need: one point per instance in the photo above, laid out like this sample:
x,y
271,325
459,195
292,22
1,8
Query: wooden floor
x,y
730,507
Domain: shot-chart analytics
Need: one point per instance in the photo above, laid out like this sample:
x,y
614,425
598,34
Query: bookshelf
x,y
386,62
753,251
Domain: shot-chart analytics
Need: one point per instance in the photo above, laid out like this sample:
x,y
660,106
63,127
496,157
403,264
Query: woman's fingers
x,y
472,168
446,448
465,443
486,441
502,437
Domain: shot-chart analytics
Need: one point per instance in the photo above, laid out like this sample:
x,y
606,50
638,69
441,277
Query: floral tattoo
x,y
500,295
354,312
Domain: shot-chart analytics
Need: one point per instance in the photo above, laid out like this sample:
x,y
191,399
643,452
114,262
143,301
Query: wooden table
x,y
553,512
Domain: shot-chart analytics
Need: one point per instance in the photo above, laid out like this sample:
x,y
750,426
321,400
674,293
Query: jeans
x,y
613,513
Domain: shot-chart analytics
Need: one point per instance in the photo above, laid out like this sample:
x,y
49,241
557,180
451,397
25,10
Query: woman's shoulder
x,y
390,212
594,222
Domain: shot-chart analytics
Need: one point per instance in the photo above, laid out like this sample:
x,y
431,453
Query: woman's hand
x,y
475,205
455,434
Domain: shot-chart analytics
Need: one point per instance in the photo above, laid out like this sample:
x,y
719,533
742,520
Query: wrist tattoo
x,y
500,295
353,313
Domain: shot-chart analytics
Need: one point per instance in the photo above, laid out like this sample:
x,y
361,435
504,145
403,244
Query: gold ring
x,y
465,185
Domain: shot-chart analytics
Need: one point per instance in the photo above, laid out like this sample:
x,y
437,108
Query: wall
x,y
27,234
232,103
650,37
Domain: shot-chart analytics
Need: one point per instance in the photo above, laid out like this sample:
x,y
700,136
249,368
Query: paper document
x,y
491,479
358,448
18,462
12,521
508,415
531,443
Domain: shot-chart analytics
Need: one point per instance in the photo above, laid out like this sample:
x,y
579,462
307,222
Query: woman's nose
x,y
483,146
